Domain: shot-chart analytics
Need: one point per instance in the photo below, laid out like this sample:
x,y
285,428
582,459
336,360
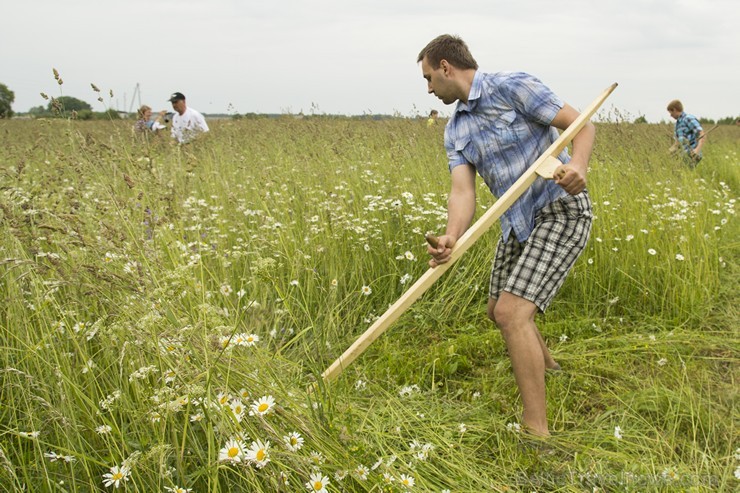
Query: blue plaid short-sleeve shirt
x,y
687,131
501,131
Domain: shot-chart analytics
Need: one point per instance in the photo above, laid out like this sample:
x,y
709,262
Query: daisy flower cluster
x,y
241,339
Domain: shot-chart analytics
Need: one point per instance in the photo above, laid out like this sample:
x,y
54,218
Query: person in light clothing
x,y
187,123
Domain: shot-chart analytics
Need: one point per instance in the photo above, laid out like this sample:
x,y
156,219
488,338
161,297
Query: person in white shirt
x,y
187,123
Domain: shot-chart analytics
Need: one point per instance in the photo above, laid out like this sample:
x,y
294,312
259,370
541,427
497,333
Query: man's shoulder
x,y
689,119
507,77
508,84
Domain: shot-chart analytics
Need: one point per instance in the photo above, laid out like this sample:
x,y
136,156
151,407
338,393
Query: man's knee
x,y
500,313
510,311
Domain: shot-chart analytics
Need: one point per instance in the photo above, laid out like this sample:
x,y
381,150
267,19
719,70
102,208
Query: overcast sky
x,y
356,57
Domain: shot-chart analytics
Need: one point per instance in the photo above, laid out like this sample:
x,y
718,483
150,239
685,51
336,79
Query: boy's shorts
x,y
536,269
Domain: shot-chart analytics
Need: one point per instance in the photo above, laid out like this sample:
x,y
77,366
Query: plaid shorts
x,y
536,269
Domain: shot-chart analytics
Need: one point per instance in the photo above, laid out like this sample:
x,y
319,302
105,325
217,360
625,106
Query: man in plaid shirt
x,y
501,124
689,134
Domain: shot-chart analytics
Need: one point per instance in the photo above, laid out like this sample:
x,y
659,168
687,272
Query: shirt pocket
x,y
505,131
465,147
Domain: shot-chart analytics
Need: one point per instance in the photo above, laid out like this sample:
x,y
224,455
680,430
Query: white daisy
x,y
361,472
233,451
53,457
317,458
618,432
223,398
103,429
251,340
237,407
407,480
317,483
258,454
178,489
116,476
262,406
224,341
294,441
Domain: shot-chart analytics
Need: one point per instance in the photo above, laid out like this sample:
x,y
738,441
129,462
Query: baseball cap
x,y
176,96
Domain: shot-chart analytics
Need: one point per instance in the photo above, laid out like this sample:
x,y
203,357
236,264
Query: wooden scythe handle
x,y
432,240
542,167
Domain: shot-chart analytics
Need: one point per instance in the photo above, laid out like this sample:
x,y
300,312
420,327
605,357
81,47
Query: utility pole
x,y
137,93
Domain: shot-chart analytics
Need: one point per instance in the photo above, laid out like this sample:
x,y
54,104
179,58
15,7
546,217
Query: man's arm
x,y
201,123
700,136
572,177
460,212
699,143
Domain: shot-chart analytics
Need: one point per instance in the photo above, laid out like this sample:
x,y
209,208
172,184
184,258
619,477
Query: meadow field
x,y
165,310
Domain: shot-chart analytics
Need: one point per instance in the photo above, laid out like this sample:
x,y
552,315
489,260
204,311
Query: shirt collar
x,y
476,88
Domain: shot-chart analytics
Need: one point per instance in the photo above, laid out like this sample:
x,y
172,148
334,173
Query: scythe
x,y
543,167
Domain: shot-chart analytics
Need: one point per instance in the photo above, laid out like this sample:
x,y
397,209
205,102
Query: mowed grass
x,y
166,309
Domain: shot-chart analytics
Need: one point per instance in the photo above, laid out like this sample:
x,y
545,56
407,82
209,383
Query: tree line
x,y
63,106
69,107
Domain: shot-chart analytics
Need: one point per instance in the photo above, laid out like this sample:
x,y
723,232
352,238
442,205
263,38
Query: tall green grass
x,y
134,272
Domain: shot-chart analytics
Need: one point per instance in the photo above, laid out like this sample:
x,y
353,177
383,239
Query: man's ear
x,y
445,66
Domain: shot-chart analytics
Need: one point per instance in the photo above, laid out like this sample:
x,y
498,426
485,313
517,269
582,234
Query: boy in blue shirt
x,y
689,134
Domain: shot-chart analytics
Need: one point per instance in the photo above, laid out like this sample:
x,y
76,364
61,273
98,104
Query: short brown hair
x,y
450,48
675,105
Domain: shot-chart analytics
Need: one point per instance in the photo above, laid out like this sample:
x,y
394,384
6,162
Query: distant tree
x,y
83,115
110,114
641,119
38,111
6,99
728,120
67,104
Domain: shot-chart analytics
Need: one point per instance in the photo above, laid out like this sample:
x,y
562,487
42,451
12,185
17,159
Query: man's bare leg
x,y
515,318
550,362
